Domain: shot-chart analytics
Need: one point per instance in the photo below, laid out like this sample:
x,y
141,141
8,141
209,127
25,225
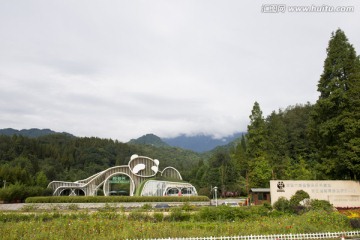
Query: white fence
x,y
337,235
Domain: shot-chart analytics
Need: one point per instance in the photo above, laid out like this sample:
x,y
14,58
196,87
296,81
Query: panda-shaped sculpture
x,y
143,166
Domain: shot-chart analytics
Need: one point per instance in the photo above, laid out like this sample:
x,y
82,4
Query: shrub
x,y
47,192
207,214
15,217
113,199
158,217
177,214
138,216
323,218
267,206
355,222
12,193
187,207
224,213
299,209
282,205
275,213
258,210
316,204
299,196
19,192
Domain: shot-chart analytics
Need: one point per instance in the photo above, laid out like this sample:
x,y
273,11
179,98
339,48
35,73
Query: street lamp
x,y
216,202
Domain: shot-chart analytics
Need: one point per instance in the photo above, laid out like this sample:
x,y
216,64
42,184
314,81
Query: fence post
x,y
342,236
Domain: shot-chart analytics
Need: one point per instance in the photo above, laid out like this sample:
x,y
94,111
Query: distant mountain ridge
x,y
32,133
149,139
201,143
198,143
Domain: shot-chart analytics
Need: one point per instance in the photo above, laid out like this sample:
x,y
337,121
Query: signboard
x,y
120,179
337,192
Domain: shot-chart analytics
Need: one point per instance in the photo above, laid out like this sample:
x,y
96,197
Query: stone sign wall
x,y
337,192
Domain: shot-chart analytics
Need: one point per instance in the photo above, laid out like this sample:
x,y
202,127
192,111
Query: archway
x,y
72,192
119,185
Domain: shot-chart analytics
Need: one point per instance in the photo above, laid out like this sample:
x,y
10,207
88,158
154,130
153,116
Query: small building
x,y
259,196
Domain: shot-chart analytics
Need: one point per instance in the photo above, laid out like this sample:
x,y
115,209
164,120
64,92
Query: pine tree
x,y
260,170
256,142
240,158
277,145
336,112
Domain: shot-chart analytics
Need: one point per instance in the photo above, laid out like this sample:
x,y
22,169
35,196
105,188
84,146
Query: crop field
x,y
112,223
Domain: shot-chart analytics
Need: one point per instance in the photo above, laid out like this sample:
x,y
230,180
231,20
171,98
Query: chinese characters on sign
x,y
119,179
319,188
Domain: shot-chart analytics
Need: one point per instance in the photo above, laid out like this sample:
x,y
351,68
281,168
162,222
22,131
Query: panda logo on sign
x,y
280,186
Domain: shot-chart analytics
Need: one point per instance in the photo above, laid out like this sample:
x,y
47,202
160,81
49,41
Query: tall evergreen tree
x,y
240,158
260,171
337,111
277,145
256,135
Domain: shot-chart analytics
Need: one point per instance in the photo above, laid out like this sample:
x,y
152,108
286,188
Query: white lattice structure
x,y
133,176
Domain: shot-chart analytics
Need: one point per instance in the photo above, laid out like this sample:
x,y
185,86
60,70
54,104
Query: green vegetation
x,y
300,202
223,221
149,139
336,115
19,192
299,196
113,222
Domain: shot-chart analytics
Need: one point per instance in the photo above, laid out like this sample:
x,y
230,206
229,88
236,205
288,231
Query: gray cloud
x,y
120,69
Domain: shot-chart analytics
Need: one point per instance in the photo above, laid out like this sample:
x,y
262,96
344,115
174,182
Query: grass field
x,y
115,224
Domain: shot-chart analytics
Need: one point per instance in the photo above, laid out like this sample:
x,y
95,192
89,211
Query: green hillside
x,y
149,139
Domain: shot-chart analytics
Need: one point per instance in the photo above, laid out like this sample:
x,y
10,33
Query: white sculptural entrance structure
x,y
141,177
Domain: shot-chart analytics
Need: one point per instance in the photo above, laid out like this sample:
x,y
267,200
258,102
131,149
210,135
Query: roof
x,y
260,190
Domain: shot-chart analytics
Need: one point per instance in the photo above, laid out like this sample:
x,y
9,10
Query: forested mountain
x,y
200,143
149,139
33,132
62,157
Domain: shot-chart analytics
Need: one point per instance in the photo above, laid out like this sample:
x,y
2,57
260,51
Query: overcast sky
x,y
123,68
